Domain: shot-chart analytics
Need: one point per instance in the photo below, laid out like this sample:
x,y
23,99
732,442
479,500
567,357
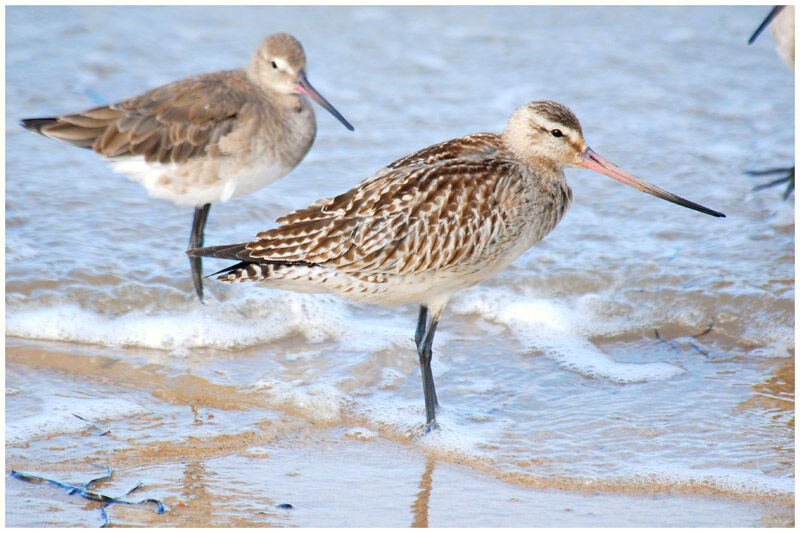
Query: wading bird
x,y
206,138
446,217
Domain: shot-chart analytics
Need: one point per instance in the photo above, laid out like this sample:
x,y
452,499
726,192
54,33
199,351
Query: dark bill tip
x,y
765,23
304,87
591,160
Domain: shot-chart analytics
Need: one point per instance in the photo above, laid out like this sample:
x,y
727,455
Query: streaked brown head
x,y
547,135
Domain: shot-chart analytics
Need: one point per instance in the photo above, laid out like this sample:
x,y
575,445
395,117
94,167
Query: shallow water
x,y
640,357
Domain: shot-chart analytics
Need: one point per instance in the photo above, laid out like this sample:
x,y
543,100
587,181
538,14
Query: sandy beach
x,y
218,455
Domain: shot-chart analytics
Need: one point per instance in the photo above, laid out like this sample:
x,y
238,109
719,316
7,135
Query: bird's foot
x,y
430,426
788,178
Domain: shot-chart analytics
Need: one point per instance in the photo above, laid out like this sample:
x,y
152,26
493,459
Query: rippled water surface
x,y
634,368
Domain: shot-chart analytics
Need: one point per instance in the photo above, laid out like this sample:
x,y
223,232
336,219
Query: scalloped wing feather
x,y
414,219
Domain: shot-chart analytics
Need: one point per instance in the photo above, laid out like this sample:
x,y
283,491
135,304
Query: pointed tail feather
x,y
241,271
57,129
36,124
247,269
231,268
225,251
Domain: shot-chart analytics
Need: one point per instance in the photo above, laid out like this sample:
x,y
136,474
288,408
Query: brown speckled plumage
x,y
444,217
441,219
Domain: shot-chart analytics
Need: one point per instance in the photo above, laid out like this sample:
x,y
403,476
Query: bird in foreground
x,y
206,138
446,217
781,23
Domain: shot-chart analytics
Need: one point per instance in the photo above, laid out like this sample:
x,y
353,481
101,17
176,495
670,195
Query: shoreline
x,y
259,444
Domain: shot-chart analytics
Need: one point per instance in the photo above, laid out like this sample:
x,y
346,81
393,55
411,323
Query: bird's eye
x,y
274,65
557,133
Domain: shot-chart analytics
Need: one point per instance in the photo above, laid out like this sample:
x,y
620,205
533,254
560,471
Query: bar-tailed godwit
x,y
781,24
206,138
444,218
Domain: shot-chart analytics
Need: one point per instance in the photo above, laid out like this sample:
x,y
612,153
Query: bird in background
x,y
781,23
441,219
206,138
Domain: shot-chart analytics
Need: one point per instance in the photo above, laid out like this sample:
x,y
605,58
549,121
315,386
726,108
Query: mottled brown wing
x,y
171,123
413,219
470,147
477,145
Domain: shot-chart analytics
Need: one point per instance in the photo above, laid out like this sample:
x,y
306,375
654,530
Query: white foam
x,y
249,320
776,340
726,479
558,328
361,433
319,402
560,331
777,349
159,330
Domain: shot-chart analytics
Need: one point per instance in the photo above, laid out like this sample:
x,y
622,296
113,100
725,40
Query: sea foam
x,y
561,332
237,322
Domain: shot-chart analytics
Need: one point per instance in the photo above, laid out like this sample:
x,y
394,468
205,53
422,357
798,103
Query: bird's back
x,y
195,141
168,124
445,217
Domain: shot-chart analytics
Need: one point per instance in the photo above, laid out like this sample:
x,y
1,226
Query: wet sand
x,y
219,455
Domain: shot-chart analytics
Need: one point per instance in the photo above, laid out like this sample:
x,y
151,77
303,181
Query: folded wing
x,y
169,124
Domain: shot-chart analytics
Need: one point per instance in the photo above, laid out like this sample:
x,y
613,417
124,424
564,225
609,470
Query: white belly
x,y
423,288
196,183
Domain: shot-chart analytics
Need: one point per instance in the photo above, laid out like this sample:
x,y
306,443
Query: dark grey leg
x,y
196,241
423,318
424,349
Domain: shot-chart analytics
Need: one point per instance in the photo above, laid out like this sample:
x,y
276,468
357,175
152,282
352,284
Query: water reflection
x,y
196,495
422,504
